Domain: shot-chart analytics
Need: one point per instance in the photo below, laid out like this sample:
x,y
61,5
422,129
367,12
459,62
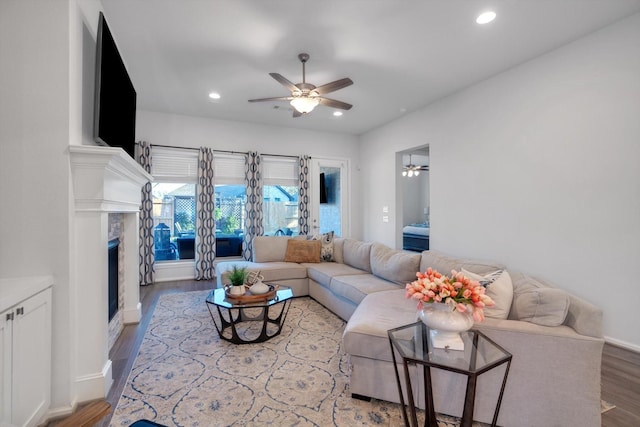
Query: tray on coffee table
x,y
250,297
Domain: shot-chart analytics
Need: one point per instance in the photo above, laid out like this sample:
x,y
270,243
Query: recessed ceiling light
x,y
337,113
214,95
486,17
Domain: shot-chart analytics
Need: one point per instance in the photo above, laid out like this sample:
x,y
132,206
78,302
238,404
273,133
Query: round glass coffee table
x,y
248,322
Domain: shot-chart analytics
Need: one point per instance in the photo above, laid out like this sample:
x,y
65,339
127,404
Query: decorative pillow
x,y
499,287
326,253
303,251
542,306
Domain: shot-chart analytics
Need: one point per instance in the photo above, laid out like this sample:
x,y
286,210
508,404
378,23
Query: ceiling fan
x,y
413,170
305,96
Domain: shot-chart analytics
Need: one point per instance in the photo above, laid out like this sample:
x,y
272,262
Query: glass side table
x,y
413,344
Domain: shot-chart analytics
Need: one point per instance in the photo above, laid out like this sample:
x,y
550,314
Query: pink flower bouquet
x,y
460,292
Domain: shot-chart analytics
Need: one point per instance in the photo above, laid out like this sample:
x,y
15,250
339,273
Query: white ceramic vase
x,y
236,290
445,325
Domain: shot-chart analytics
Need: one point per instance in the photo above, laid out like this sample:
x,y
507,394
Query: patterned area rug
x,y
185,375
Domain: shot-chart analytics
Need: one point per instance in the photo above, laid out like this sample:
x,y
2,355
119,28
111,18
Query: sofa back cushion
x,y
536,302
338,249
584,317
394,265
357,254
269,248
445,263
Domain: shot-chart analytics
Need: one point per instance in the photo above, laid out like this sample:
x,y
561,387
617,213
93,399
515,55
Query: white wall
x,y
34,168
187,131
537,168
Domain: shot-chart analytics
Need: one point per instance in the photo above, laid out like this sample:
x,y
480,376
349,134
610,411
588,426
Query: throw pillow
x,y
542,306
326,253
303,251
499,287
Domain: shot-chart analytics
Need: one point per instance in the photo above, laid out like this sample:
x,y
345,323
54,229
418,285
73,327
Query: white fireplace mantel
x,y
105,180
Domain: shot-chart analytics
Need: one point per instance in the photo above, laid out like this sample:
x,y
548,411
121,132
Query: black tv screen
x,y
115,96
323,189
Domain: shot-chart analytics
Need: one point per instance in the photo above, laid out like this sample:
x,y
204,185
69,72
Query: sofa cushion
x,y
537,302
269,248
323,272
357,286
271,271
366,332
445,263
303,251
499,287
394,265
338,249
357,254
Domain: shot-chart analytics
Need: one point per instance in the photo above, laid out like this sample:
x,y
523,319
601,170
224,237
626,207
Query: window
x,y
230,200
280,194
174,203
174,220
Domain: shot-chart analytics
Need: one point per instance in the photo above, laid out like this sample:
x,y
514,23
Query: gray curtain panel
x,y
146,253
206,223
253,208
303,195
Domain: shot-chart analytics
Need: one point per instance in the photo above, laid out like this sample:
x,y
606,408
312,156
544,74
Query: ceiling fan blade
x,y
334,104
284,82
277,98
333,86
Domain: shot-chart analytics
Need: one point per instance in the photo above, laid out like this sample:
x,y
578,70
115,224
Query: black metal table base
x,y
241,316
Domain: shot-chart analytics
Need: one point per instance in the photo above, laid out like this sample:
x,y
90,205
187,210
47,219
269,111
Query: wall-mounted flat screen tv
x,y
323,189
115,96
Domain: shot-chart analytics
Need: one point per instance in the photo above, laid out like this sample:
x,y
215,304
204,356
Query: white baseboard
x,y
132,316
176,270
623,344
94,386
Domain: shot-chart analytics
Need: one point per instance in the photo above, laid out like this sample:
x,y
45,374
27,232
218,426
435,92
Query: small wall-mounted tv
x,y
115,97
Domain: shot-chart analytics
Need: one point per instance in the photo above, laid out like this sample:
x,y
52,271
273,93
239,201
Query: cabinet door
x,y
31,360
5,368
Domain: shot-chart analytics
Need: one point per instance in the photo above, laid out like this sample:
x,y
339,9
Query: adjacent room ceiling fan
x,y
413,170
305,96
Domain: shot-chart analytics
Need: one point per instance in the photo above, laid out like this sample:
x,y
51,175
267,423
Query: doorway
x,y
413,223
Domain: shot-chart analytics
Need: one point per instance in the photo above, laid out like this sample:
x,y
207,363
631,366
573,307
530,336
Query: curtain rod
x,y
223,151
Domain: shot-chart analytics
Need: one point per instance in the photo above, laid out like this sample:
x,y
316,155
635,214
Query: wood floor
x,y
620,367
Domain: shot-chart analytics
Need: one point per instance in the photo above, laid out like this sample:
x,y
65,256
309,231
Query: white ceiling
x,y
401,54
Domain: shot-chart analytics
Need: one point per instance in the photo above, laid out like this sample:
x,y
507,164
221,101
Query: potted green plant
x,y
237,277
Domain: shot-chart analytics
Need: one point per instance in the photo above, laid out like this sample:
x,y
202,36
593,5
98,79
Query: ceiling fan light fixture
x,y
486,17
304,104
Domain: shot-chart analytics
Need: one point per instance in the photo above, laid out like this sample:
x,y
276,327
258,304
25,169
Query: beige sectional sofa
x,y
555,338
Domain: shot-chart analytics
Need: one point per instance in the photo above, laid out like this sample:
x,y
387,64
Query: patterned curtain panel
x,y
206,223
253,209
303,195
145,251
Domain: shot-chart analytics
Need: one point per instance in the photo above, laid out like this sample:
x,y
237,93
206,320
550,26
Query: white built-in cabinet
x,y
25,350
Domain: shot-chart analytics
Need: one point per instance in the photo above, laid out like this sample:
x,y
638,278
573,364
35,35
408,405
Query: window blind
x,y
229,168
174,164
280,171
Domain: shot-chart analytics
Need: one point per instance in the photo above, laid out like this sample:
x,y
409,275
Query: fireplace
x,y
106,181
112,278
